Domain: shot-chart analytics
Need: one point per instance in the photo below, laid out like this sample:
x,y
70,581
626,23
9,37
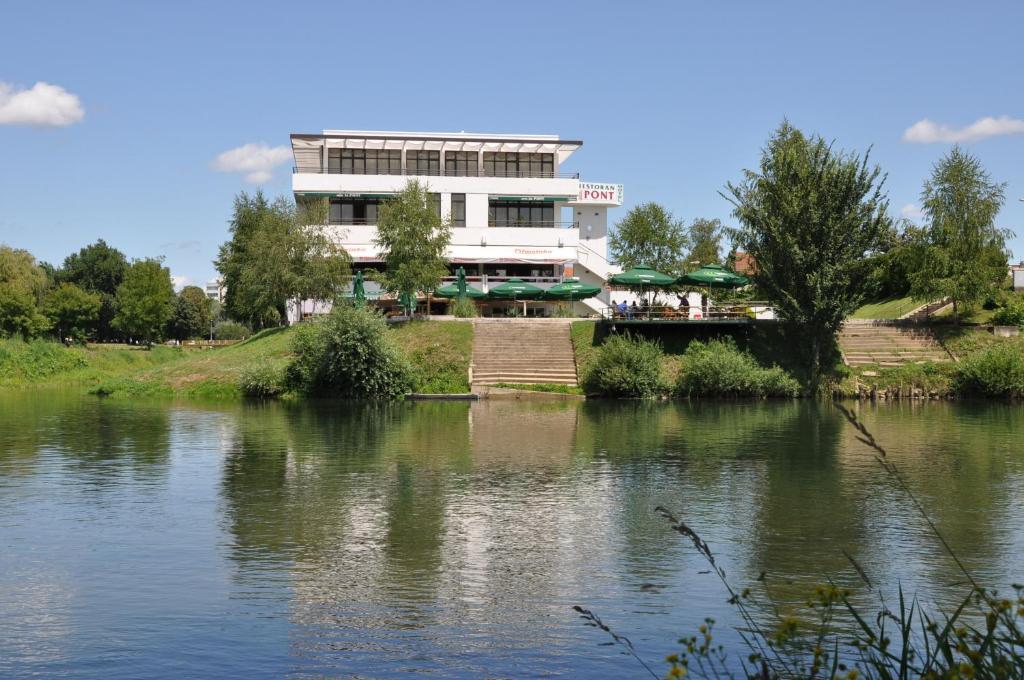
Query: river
x,y
178,540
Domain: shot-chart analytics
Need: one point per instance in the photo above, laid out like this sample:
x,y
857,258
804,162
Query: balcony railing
x,y
746,310
433,172
540,224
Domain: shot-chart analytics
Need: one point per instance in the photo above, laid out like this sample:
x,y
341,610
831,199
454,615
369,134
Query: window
x,y
354,210
458,210
500,164
423,162
461,163
364,162
435,201
520,214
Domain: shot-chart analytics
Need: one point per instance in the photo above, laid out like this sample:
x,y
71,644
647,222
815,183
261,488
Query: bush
x,y
231,330
348,354
463,308
997,371
1011,314
262,382
625,367
719,369
564,311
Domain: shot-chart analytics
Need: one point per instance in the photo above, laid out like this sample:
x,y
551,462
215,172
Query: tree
x,y
648,235
278,252
193,314
705,242
73,312
97,268
412,238
962,254
809,216
22,286
145,300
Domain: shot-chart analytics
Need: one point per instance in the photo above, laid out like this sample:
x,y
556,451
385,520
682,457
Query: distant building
x,y
745,264
1017,272
215,289
515,209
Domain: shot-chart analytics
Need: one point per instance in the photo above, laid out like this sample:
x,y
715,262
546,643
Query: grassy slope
x,y
440,352
893,308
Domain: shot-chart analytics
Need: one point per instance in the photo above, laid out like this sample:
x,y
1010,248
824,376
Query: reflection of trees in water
x,y
98,439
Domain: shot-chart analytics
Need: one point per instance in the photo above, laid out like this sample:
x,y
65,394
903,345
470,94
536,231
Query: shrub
x,y
625,367
997,371
719,369
564,311
1011,314
348,354
463,308
262,382
231,330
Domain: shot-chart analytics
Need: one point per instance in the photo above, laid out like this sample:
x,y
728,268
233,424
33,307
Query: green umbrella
x,y
358,292
515,289
571,290
461,283
640,276
406,301
451,290
713,276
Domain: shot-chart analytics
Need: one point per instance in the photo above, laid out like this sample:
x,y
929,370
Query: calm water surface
x,y
168,540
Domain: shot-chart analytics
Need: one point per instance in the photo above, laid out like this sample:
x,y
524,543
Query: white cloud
x,y
43,105
926,131
180,282
911,212
255,160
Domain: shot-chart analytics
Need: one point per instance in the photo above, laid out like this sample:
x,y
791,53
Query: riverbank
x,y
439,351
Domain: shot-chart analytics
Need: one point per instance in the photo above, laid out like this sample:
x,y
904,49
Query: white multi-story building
x,y
515,210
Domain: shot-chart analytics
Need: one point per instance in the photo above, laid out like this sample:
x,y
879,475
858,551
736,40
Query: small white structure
x,y
1017,272
215,289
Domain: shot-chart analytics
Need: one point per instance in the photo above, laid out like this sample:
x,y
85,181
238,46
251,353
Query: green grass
x,y
893,308
440,352
552,388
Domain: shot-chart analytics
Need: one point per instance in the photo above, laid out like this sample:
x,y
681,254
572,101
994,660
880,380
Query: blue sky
x,y
672,99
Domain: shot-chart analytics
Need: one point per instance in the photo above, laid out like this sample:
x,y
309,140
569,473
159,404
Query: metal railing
x,y
550,224
739,311
433,172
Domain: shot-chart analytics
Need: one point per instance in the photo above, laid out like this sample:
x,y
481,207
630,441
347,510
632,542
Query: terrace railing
x,y
433,172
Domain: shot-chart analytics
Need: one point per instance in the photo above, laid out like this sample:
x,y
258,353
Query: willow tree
x,y
810,216
413,239
962,254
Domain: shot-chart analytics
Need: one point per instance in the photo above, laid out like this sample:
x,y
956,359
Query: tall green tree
x,y
705,243
97,268
412,238
193,314
73,312
962,254
649,235
279,253
22,286
145,301
810,216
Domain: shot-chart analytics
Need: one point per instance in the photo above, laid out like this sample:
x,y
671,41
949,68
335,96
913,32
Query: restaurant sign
x,y
596,193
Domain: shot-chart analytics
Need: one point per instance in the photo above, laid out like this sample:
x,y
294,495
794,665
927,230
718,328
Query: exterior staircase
x,y
888,343
523,351
924,312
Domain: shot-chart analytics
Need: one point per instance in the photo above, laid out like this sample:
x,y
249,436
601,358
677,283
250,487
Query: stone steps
x,y
522,351
887,344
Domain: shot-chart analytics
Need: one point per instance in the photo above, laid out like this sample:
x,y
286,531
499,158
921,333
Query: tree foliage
x,y
145,301
962,254
412,238
809,216
705,243
648,235
278,253
193,313
72,311
97,268
22,286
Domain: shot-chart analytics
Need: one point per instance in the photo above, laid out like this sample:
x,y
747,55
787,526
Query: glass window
x,y
354,210
364,161
499,164
461,163
458,210
423,162
435,201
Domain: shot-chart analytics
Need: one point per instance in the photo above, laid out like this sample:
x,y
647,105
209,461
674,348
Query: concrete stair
x,y
888,344
526,351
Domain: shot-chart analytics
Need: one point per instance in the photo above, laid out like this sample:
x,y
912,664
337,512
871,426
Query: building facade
x,y
515,207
